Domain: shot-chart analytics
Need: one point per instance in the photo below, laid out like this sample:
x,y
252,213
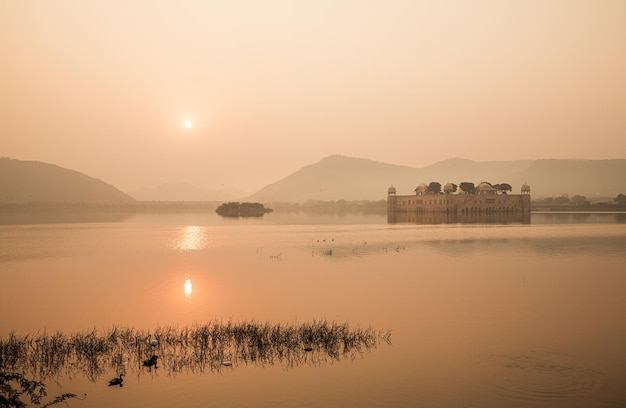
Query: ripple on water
x,y
538,377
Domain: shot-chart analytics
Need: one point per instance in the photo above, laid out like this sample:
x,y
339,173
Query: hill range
x,y
36,182
332,178
185,192
346,178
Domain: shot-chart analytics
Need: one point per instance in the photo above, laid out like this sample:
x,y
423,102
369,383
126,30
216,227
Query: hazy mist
x,y
104,87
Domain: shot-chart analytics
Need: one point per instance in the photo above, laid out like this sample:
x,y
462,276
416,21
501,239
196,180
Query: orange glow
x,y
501,80
188,288
191,238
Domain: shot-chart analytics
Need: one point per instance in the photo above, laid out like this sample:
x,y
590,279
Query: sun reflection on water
x,y
188,287
192,237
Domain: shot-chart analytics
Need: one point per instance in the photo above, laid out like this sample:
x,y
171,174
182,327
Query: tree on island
x,y
620,199
434,187
579,200
503,188
468,187
236,209
564,199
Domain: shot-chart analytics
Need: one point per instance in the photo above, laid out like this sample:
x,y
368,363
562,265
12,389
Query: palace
x,y
484,200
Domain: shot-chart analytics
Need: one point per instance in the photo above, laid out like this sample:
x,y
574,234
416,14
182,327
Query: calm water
x,y
481,315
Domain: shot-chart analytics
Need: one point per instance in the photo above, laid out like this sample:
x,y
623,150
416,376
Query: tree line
x,y
331,206
237,209
434,187
579,201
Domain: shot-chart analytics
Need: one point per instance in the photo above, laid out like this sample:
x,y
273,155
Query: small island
x,y
236,209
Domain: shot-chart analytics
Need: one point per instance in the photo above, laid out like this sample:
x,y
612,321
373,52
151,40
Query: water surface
x,y
481,315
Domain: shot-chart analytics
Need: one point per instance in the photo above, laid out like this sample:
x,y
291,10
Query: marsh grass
x,y
199,348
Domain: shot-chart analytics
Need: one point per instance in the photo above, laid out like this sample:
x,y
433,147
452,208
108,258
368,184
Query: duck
x,y
117,381
152,361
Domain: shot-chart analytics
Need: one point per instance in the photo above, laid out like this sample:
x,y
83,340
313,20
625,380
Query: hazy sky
x,y
104,87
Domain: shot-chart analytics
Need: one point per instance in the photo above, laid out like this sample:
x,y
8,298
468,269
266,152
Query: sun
x,y
187,124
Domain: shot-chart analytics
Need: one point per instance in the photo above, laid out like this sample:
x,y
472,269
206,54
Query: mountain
x,y
458,170
591,178
184,192
347,178
338,178
332,178
36,182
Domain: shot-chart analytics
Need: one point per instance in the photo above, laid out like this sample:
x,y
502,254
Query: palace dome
x,y
391,190
421,189
525,188
448,188
485,188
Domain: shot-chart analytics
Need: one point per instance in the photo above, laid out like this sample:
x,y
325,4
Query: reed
x,y
197,348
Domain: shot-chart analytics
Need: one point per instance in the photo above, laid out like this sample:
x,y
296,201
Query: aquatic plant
x,y
197,348
14,386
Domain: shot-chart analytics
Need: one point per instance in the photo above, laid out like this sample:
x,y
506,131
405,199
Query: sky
x,y
104,87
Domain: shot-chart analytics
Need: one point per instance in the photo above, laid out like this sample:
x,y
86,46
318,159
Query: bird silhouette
x,y
152,361
117,381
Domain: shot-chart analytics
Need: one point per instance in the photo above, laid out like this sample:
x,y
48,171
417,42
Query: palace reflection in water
x,y
443,218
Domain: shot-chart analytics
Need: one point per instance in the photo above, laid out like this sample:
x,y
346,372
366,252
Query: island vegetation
x,y
237,209
579,203
465,187
332,206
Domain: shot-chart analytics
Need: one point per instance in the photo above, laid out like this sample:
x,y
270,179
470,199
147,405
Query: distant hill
x,y
458,170
332,178
36,182
338,178
347,178
591,178
184,192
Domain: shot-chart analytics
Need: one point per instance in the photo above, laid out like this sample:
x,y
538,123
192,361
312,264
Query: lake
x,y
485,315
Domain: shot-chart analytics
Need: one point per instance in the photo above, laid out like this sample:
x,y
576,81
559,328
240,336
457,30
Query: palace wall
x,y
459,204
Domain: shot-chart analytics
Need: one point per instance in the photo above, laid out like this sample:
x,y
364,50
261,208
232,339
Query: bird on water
x,y
117,381
152,361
